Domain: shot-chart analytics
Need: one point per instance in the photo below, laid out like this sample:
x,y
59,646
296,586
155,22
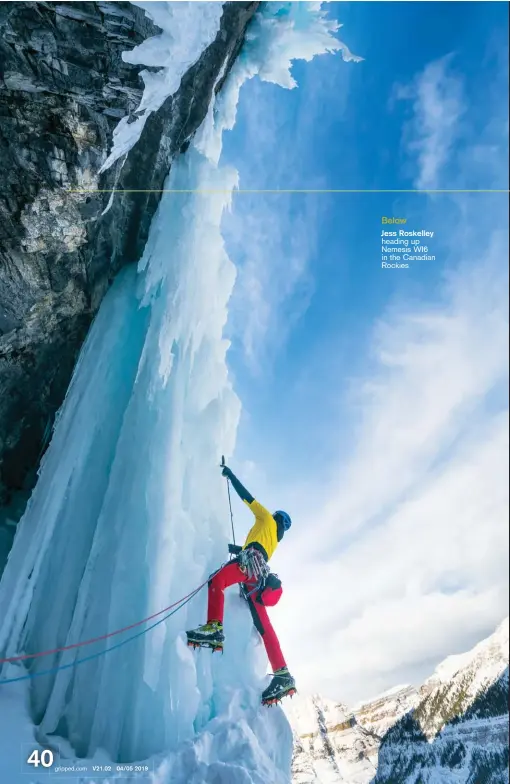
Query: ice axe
x,y
233,549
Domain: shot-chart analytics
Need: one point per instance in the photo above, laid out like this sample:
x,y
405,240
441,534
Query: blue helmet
x,y
284,518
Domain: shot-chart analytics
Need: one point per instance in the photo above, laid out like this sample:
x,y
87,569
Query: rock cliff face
x,y
458,731
63,88
329,744
452,729
380,714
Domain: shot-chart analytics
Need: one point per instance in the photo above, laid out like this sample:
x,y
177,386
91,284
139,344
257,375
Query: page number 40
x,y
45,758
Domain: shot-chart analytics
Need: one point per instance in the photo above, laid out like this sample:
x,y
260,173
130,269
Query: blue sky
x,y
365,390
341,105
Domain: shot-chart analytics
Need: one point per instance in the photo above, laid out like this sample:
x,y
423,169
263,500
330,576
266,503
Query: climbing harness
x,y
253,564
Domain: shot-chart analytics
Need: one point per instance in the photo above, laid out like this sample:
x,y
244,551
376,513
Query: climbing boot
x,y
210,635
282,685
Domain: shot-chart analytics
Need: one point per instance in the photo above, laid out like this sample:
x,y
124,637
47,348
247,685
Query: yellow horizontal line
x,y
289,190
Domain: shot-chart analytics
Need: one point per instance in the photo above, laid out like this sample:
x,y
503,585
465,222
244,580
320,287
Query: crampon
x,y
214,647
275,700
208,636
282,685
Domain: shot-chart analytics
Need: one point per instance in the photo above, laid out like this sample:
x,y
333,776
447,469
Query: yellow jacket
x,y
264,530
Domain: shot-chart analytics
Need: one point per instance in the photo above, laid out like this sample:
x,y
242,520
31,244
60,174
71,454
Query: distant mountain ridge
x,y
453,729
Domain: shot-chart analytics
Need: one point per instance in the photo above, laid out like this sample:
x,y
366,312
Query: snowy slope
x,y
458,732
459,679
452,729
330,746
381,713
333,743
129,512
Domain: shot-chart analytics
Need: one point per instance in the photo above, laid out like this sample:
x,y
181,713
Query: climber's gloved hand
x,y
225,471
240,489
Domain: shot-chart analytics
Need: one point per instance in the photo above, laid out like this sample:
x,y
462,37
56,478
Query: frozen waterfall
x,y
129,512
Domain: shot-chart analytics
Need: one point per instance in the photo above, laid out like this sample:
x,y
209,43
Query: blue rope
x,y
101,653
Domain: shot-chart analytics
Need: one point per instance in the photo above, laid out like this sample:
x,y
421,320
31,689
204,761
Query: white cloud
x,y
274,286
432,369
422,583
404,560
438,107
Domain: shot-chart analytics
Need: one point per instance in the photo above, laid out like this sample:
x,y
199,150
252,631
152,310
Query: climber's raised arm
x,y
240,489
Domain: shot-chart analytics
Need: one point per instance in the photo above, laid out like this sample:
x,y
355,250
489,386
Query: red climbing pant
x,y
231,574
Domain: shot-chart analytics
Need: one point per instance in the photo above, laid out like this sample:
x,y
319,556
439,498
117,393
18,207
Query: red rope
x,y
104,636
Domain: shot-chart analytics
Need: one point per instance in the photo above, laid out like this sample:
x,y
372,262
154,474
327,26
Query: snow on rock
x,y
381,713
458,731
304,711
486,657
187,30
387,693
459,679
329,745
452,730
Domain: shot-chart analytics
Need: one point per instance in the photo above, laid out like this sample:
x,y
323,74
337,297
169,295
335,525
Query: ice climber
x,y
260,588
